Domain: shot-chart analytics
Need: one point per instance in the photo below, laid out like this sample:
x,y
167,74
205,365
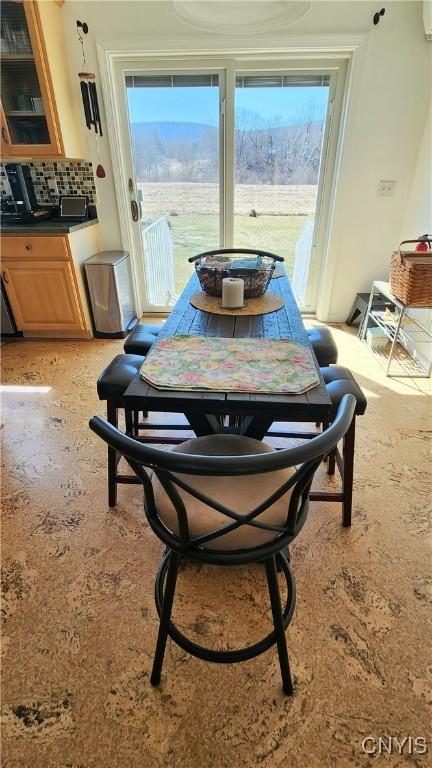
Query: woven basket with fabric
x,y
256,273
411,276
254,266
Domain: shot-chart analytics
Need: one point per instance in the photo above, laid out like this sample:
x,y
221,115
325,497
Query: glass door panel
x,y
21,94
175,137
212,155
279,129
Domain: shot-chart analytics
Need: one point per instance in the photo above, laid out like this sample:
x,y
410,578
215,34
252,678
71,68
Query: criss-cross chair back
x,y
226,517
226,499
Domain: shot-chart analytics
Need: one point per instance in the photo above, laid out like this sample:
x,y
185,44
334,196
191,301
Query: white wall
x,y
386,122
418,212
388,104
418,220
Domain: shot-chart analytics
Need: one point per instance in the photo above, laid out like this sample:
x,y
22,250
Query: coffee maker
x,y
23,207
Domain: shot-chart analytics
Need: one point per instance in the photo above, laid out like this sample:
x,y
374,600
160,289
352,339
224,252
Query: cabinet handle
x,y
28,247
4,276
4,137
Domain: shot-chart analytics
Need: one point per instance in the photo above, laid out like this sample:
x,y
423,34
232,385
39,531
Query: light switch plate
x,y
386,187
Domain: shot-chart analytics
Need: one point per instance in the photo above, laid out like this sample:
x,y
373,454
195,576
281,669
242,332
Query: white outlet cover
x,y
386,187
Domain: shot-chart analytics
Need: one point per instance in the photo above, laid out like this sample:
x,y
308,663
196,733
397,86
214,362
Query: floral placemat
x,y
262,305
205,363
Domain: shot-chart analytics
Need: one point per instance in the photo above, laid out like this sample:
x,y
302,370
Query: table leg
x,y
203,423
208,424
394,342
364,324
256,426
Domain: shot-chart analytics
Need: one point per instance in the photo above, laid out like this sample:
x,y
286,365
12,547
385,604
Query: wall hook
x,y
378,15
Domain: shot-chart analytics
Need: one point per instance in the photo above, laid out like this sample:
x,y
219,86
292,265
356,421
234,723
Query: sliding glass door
x,y
221,155
175,138
279,130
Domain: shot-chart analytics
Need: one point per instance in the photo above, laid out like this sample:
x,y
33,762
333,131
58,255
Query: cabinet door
x,y
29,123
43,295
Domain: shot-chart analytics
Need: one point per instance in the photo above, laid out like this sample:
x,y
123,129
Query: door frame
x,y
338,63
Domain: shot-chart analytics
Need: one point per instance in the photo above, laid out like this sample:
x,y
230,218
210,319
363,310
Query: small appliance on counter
x,y
22,208
72,208
110,288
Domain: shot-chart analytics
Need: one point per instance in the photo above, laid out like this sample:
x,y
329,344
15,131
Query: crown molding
x,y
313,45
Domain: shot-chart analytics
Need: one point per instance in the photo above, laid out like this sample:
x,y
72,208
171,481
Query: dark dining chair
x,y
339,382
323,345
141,338
226,500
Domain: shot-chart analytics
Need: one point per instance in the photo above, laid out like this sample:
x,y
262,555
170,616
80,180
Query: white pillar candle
x,y
232,292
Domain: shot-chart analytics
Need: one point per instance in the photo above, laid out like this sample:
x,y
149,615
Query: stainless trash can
x,y
110,288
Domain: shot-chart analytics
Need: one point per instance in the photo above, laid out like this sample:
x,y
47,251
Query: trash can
x,y
111,296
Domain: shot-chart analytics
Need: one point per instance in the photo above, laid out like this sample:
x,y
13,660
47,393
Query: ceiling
x,y
238,17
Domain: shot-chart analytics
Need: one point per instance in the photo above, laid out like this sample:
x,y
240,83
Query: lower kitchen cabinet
x,y
43,295
43,276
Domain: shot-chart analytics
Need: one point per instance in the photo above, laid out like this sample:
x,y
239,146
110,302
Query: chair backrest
x,y
175,472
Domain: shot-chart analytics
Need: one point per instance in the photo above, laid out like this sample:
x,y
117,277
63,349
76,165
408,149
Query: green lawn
x,y
194,233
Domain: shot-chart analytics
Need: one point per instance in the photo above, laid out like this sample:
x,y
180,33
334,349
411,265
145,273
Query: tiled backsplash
x,y
72,178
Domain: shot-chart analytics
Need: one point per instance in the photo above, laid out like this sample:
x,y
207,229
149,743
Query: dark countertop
x,y
47,227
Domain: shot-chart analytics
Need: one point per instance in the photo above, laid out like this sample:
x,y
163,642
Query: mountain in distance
x,y
194,132
189,132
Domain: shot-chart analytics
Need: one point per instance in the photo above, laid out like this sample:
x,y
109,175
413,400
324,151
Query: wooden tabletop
x,y
262,410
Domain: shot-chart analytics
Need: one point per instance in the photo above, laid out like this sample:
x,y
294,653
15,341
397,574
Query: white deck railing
x,y
158,248
303,252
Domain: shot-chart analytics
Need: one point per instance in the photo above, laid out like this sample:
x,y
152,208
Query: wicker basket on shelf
x,y
411,275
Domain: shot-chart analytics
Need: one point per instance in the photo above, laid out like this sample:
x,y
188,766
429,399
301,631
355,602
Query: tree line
x,y
264,154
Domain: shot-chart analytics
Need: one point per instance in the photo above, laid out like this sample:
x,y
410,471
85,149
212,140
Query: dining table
x,y
249,414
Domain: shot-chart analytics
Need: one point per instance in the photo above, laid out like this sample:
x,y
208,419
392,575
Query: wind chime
x,y
90,98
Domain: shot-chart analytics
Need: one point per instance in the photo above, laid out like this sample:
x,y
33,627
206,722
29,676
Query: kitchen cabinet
x,y
44,280
43,295
40,247
37,113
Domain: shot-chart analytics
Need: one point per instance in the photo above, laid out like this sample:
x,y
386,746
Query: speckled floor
x,y
80,623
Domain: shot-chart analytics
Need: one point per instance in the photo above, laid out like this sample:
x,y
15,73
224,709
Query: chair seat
x,y
339,382
117,376
240,494
324,346
142,338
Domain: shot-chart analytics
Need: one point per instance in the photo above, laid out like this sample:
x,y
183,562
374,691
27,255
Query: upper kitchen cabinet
x,y
37,113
